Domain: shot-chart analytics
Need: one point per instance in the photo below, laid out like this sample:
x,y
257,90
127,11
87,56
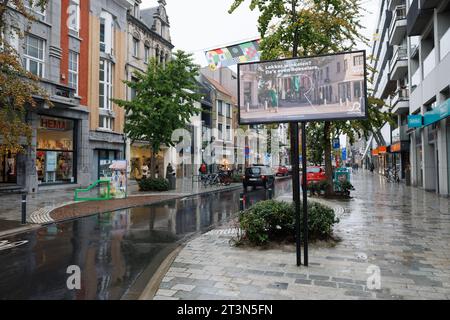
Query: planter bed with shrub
x,y
274,221
157,184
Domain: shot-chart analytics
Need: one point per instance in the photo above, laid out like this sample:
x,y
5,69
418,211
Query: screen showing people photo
x,y
331,87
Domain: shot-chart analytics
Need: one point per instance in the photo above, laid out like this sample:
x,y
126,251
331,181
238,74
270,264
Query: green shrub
x,y
274,220
149,184
346,187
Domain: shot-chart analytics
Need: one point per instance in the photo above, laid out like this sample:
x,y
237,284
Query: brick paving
x,y
401,232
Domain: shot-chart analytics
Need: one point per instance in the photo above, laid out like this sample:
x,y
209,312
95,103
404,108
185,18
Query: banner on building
x,y
329,87
232,55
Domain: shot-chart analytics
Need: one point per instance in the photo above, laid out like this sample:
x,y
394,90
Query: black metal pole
x,y
24,208
305,196
242,202
296,187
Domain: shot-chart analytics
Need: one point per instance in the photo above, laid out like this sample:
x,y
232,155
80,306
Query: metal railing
x,y
401,53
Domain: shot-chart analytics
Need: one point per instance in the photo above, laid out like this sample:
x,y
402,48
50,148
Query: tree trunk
x,y
328,163
153,164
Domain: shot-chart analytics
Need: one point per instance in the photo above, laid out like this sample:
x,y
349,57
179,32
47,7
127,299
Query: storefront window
x,y
8,168
55,151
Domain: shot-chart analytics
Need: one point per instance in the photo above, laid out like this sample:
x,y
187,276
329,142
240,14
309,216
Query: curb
x,y
12,232
48,212
153,285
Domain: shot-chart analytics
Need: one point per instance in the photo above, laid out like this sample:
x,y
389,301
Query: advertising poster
x,y
51,161
331,87
115,171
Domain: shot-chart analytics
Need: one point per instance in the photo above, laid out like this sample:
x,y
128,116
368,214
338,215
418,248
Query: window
x,y
146,54
228,133
220,107
132,90
106,123
106,33
34,55
358,60
220,128
55,150
135,48
74,15
345,65
338,67
228,110
102,35
36,9
73,70
105,84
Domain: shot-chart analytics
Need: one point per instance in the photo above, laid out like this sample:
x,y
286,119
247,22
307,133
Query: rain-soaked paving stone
x,y
399,231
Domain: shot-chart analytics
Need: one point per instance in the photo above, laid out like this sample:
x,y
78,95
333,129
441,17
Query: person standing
x,y
273,98
203,169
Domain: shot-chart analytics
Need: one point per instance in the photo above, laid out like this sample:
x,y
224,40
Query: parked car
x,y
282,171
258,176
314,175
289,167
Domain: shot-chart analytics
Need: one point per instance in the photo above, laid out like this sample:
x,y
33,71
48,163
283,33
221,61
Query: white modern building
x,y
411,51
428,29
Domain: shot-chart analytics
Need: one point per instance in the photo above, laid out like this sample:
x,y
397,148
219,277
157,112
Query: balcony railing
x,y
399,13
429,63
416,78
445,44
400,54
400,95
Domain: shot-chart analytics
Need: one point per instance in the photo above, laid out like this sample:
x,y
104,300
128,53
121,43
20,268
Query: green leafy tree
x,y
18,88
165,101
299,28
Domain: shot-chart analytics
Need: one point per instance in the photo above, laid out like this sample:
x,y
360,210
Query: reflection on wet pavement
x,y
112,249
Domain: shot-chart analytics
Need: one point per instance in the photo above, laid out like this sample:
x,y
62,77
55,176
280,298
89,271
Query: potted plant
x,y
346,187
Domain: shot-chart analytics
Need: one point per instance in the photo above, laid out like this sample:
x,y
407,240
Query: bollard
x,y
270,191
242,202
24,209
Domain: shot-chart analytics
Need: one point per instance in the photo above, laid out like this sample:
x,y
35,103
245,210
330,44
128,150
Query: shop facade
x,y
430,150
57,154
141,160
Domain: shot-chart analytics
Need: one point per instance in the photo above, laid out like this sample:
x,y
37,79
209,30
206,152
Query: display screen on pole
x,y
331,87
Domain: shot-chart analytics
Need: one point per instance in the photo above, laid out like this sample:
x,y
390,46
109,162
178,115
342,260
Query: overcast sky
x,y
198,25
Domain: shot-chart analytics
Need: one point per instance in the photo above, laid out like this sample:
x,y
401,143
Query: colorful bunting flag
x,y
231,55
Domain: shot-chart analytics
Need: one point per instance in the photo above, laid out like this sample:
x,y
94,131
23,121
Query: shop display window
x,y
55,151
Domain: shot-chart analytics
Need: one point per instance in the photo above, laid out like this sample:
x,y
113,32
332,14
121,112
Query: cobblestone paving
x,y
402,232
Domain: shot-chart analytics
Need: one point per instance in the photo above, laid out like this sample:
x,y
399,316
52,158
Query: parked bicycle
x,y
392,175
220,178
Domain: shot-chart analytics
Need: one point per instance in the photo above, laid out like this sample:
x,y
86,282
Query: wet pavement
x,y
57,205
394,244
113,250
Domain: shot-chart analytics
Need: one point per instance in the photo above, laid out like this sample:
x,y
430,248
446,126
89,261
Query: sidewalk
x,y
401,232
50,206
